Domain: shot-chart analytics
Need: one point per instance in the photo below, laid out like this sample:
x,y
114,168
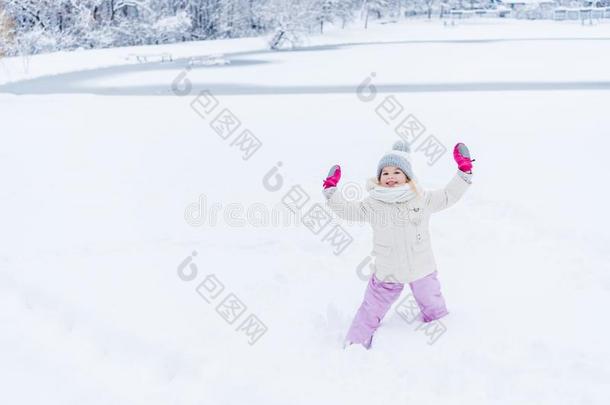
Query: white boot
x,y
353,347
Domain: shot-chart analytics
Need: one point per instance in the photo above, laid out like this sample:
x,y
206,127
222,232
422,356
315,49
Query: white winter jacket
x,y
401,239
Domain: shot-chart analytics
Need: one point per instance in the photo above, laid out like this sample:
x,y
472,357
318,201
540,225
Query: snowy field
x,y
103,197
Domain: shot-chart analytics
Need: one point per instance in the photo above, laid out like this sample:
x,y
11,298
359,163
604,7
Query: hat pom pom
x,y
401,146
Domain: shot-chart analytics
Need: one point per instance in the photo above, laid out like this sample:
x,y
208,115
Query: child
x,y
399,214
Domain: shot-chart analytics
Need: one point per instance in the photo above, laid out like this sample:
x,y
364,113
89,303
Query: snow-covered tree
x,y
323,11
173,28
6,31
344,11
290,21
372,7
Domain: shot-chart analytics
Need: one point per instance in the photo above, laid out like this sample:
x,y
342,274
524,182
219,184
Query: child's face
x,y
392,177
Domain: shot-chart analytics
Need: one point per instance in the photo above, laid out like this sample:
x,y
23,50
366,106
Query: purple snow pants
x,y
380,296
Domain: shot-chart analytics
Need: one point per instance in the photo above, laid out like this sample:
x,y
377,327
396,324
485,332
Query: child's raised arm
x,y
348,210
441,199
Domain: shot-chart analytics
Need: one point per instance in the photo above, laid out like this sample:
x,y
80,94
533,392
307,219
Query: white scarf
x,y
396,194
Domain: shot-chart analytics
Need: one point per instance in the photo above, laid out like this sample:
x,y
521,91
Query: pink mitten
x,y
461,154
333,177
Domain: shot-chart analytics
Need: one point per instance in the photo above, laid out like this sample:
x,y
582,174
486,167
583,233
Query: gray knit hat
x,y
399,157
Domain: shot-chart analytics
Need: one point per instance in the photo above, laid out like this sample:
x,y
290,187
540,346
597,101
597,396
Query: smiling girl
x,y
399,214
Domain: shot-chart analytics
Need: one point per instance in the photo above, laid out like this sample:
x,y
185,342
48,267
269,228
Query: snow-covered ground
x,y
98,187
